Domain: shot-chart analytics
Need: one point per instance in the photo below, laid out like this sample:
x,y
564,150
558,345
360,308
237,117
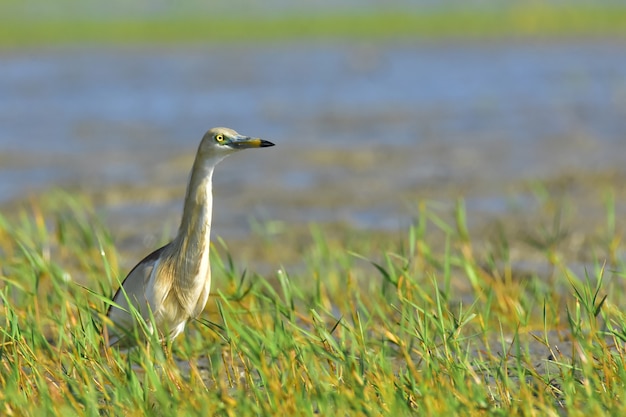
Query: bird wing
x,y
133,290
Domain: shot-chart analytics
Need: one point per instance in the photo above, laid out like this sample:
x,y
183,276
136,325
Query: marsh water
x,y
363,130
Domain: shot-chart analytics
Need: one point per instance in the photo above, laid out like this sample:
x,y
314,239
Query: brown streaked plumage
x,y
172,283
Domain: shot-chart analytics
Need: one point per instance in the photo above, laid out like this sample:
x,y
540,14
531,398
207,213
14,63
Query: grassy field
x,y
415,329
517,19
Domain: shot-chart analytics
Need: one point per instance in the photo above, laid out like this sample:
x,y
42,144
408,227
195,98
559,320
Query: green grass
x,y
416,329
517,19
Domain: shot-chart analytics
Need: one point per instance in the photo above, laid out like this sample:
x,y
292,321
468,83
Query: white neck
x,y
193,238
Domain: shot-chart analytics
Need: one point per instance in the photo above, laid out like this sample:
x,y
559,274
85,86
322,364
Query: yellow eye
x,y
219,138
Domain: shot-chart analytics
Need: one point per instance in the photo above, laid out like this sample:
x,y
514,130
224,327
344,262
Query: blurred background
x,y
374,107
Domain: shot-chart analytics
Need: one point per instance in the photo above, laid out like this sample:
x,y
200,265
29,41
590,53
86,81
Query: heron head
x,y
223,141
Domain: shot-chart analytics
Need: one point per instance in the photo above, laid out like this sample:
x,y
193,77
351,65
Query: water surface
x,y
361,129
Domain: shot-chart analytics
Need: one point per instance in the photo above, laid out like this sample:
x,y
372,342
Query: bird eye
x,y
219,138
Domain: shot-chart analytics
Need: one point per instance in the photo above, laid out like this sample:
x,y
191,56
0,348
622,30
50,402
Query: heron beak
x,y
244,142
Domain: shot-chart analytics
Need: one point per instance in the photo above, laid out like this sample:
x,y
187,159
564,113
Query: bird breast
x,y
191,273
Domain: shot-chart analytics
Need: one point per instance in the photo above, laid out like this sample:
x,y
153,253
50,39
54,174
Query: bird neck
x,y
195,227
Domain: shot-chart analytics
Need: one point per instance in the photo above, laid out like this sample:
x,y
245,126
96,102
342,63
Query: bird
x,y
171,285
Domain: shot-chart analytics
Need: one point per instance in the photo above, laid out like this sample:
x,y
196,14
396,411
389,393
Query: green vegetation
x,y
419,328
517,19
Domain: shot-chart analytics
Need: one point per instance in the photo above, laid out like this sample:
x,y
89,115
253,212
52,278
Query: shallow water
x,y
362,130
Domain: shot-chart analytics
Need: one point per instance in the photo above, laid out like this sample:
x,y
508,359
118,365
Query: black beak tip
x,y
266,143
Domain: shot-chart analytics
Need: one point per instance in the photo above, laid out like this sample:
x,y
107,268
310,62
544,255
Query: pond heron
x,y
171,285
